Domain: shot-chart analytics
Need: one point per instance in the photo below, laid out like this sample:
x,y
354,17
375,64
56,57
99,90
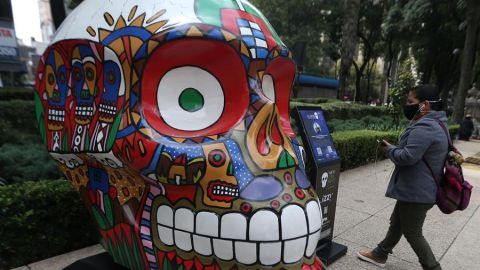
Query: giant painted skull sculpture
x,y
175,131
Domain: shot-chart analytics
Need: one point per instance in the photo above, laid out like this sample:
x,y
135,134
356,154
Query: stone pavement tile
x,y
368,233
62,261
346,218
351,262
371,231
464,252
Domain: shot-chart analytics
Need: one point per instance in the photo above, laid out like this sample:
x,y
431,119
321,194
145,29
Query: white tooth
x,y
166,235
202,245
184,220
246,252
207,224
314,216
270,253
223,249
312,244
264,226
294,223
165,216
234,226
293,250
183,240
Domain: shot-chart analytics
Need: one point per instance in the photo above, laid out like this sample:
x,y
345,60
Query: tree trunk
x,y
349,42
58,12
466,73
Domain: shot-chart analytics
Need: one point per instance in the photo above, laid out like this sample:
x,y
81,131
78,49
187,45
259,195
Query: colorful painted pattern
x,y
170,118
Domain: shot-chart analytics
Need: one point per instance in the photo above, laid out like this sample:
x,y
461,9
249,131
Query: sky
x,y
27,20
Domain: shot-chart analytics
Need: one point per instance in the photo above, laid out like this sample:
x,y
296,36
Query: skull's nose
x,y
262,188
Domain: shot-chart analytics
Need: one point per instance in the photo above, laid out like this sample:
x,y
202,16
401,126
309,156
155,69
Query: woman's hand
x,y
385,145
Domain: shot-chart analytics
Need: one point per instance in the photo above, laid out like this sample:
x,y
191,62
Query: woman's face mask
x,y
411,110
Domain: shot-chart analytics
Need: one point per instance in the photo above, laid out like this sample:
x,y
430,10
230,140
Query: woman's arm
x,y
418,141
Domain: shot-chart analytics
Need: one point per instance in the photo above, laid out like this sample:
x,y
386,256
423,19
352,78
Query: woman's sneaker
x,y
369,257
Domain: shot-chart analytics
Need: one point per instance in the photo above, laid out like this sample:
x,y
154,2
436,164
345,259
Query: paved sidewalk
x,y
363,213
362,221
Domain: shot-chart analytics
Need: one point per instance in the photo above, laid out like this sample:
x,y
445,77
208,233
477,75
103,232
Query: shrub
x,y
16,93
360,147
346,111
20,115
31,161
41,220
383,123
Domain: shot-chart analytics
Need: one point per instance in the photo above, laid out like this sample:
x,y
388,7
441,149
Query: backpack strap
x,y
450,147
450,143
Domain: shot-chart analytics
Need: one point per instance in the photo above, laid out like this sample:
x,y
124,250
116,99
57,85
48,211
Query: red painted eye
x,y
276,84
193,88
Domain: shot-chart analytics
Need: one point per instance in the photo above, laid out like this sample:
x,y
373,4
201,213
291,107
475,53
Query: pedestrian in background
x,y
466,128
412,183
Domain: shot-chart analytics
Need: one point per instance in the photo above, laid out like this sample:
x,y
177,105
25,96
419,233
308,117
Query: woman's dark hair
x,y
428,92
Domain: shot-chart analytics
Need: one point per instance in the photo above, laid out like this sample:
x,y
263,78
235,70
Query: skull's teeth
x,y
56,115
267,237
83,111
225,191
104,108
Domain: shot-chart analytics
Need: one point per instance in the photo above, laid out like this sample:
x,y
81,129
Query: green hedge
x,y
39,220
19,115
29,161
345,111
10,93
360,147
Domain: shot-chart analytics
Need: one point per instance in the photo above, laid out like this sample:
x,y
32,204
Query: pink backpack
x,y
453,191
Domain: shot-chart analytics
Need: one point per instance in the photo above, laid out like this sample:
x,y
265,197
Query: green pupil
x,y
191,100
217,157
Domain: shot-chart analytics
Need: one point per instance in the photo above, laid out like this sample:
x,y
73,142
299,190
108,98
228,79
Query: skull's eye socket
x,y
51,79
77,74
193,88
62,78
89,73
111,77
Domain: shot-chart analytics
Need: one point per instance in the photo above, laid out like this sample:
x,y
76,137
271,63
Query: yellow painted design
x,y
228,36
194,32
267,117
132,12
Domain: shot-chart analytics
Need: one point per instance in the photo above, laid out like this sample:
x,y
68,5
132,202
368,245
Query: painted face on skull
x,y
191,157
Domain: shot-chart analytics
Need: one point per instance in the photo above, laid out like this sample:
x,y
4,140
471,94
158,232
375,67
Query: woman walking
x,y
412,183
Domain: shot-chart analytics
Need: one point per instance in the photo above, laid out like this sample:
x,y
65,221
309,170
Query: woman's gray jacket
x,y
411,180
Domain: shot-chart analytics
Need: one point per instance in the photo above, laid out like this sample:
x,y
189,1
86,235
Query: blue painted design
x,y
175,35
215,34
262,188
298,152
245,60
262,53
133,31
240,169
98,179
243,22
258,34
301,179
125,132
254,98
250,41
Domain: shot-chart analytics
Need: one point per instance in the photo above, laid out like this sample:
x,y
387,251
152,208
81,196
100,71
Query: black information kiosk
x,y
323,167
